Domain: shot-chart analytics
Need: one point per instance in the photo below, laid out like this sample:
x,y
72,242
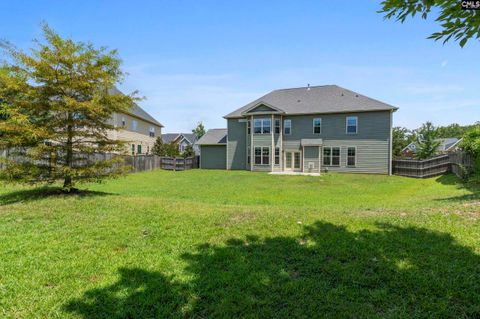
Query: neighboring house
x,y
138,128
447,145
307,129
182,140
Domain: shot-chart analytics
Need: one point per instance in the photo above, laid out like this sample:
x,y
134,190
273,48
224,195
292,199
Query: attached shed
x,y
213,149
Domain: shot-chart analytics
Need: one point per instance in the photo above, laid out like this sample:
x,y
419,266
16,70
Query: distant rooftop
x,y
136,110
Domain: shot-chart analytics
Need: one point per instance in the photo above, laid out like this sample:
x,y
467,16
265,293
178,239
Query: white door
x,y
293,161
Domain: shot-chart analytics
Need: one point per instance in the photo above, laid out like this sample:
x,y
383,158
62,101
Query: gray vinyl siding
x,y
371,125
311,155
213,156
237,144
372,156
371,141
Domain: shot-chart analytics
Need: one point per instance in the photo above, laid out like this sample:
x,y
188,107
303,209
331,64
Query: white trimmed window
x,y
331,156
287,127
277,126
134,125
277,155
262,126
249,126
352,124
262,155
351,156
317,126
124,121
152,131
249,155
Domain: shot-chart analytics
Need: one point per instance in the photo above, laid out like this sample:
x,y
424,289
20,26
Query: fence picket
x,y
458,163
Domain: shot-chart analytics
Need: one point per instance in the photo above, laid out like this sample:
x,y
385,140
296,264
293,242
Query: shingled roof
x,y
137,110
314,100
215,136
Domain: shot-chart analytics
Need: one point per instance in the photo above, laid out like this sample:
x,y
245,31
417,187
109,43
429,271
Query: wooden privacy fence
x,y
139,163
459,163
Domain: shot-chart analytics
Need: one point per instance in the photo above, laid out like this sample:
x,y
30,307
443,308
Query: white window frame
x,y
275,156
275,126
313,122
261,155
124,121
249,127
331,156
151,131
262,125
285,126
355,157
249,155
134,125
356,125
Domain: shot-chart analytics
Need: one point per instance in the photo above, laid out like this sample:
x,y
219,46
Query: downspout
x,y
390,145
272,152
251,143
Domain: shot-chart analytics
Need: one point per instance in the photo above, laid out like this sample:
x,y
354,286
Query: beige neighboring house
x,y
138,128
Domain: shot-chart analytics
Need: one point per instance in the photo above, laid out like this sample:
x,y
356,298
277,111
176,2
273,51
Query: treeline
x,y
403,136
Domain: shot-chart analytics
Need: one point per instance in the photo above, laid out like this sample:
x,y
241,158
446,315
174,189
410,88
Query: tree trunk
x,y
68,183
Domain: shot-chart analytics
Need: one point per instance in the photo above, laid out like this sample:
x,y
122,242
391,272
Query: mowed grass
x,y
218,244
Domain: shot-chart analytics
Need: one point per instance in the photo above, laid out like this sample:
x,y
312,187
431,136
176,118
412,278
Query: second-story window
x,y
352,125
317,125
249,126
287,127
152,131
124,121
262,126
277,126
134,125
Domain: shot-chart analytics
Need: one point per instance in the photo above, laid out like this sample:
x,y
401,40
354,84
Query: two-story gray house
x,y
307,129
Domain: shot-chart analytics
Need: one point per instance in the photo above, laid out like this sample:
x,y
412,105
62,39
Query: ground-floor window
x,y
262,155
351,156
133,149
331,156
139,149
277,155
248,155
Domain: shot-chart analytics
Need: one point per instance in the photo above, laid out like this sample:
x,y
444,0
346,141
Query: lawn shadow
x,y
328,271
137,294
452,179
44,192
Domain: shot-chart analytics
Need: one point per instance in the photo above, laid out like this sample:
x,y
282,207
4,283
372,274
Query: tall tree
x,y
401,137
471,145
461,25
199,131
57,102
427,142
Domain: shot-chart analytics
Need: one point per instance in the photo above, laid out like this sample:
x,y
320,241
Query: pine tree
x,y
427,142
199,131
57,103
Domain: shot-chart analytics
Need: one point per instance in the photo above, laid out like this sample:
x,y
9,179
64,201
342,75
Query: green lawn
x,y
217,244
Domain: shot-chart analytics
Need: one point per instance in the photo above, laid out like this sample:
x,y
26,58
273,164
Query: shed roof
x,y
215,136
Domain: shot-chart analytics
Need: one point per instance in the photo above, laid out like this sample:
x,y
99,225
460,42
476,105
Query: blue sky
x,y
199,60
